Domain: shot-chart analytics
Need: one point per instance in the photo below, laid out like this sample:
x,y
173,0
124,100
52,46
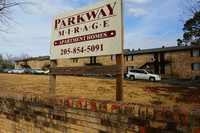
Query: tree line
x,y
8,60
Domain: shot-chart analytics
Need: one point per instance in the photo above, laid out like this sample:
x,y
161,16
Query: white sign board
x,y
93,30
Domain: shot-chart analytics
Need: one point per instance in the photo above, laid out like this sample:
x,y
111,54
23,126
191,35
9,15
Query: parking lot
x,y
186,82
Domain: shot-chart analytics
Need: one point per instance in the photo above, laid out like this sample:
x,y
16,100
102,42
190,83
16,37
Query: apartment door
x,y
162,57
156,69
162,69
93,60
155,57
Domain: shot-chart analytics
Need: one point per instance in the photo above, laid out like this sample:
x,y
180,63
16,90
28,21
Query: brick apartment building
x,y
179,62
34,63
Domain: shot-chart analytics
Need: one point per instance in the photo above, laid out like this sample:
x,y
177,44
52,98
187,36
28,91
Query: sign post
x,y
52,78
94,30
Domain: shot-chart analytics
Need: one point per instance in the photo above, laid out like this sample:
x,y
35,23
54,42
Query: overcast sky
x,y
147,24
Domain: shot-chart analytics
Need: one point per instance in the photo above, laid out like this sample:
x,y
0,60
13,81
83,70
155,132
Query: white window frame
x,y
75,60
130,58
196,66
168,66
168,54
195,53
113,57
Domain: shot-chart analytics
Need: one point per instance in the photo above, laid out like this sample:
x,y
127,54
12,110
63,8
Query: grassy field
x,y
104,89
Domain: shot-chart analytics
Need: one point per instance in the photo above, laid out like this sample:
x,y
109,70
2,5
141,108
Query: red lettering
x,y
63,23
93,14
85,28
57,21
95,25
61,33
105,23
111,8
80,18
76,30
102,13
71,20
68,31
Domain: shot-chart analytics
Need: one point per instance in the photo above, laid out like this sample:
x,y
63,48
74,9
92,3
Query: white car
x,y
18,70
39,71
142,74
46,72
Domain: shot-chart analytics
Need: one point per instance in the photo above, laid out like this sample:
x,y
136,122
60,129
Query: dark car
x,y
7,70
29,71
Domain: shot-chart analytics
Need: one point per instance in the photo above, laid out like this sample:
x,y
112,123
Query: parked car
x,y
10,71
142,74
39,71
46,72
29,71
6,70
18,70
32,71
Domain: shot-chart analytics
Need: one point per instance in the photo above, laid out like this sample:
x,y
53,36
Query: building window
x,y
98,57
168,54
149,67
17,63
75,60
66,60
195,53
65,65
129,68
168,66
129,58
150,55
196,66
35,61
40,62
113,57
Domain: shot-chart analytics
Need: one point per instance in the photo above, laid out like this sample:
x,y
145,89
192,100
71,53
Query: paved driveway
x,y
185,82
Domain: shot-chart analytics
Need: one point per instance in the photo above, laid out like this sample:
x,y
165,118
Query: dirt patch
x,y
185,94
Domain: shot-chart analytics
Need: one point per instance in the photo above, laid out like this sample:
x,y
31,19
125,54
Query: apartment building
x,y
179,62
34,63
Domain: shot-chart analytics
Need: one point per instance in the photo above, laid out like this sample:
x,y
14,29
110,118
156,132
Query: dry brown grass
x,y
104,89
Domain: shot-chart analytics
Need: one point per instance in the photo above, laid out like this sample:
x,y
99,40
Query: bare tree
x,y
23,56
189,8
10,59
6,13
